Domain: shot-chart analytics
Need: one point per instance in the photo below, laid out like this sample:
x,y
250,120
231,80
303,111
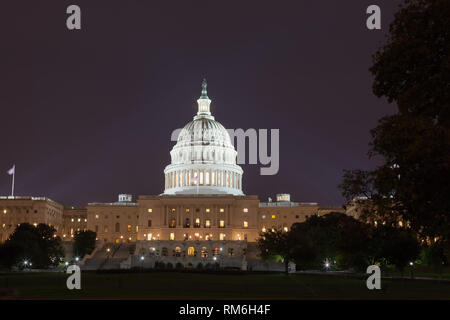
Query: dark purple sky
x,y
88,114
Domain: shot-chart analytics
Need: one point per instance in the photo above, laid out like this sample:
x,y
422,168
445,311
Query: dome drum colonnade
x,y
203,161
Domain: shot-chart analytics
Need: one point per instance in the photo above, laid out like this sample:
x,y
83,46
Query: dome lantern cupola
x,y
203,103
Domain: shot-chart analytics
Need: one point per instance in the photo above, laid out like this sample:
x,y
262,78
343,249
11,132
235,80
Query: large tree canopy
x,y
84,242
35,244
413,70
413,67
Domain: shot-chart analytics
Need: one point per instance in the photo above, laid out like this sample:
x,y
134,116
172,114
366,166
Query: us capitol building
x,y
202,216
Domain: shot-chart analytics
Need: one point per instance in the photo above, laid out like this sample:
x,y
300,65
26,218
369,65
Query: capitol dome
x,y
203,161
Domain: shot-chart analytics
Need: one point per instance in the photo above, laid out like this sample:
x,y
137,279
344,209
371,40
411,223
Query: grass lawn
x,y
184,285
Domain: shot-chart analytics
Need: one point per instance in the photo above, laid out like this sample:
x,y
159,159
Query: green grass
x,y
419,271
179,285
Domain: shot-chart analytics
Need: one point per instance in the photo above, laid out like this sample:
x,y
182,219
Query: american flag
x,y
12,170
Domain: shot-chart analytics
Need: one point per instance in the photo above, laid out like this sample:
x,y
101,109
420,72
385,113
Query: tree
x,y
413,70
399,246
277,243
339,237
84,242
413,67
38,245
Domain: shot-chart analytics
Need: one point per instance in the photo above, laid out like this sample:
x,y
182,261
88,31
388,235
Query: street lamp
x,y
142,262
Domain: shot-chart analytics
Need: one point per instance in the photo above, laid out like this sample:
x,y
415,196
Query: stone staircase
x,y
109,257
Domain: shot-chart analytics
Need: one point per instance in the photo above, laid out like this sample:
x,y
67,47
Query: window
x,y
172,236
117,227
187,223
105,229
204,252
222,224
187,210
173,223
149,210
222,236
129,228
216,252
197,223
245,224
230,252
207,223
191,251
222,210
263,229
263,216
164,252
245,210
72,220
296,217
149,223
208,210
177,252
149,236
274,216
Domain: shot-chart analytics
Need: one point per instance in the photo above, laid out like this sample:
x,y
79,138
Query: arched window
x,y
177,252
204,252
164,252
187,223
173,223
191,251
117,227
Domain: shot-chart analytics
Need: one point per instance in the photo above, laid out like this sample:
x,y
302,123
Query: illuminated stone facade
x,y
203,215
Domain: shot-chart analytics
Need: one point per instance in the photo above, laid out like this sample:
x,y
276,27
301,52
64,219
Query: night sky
x,y
88,114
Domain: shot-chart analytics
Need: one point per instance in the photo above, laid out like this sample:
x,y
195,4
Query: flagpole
x,y
12,187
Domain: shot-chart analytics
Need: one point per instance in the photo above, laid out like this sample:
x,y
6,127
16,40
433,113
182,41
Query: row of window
x,y
186,236
116,228
197,223
118,216
187,210
5,211
191,252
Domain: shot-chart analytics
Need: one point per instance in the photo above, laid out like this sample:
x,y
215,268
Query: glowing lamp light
x,y
142,258
76,259
411,263
215,258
